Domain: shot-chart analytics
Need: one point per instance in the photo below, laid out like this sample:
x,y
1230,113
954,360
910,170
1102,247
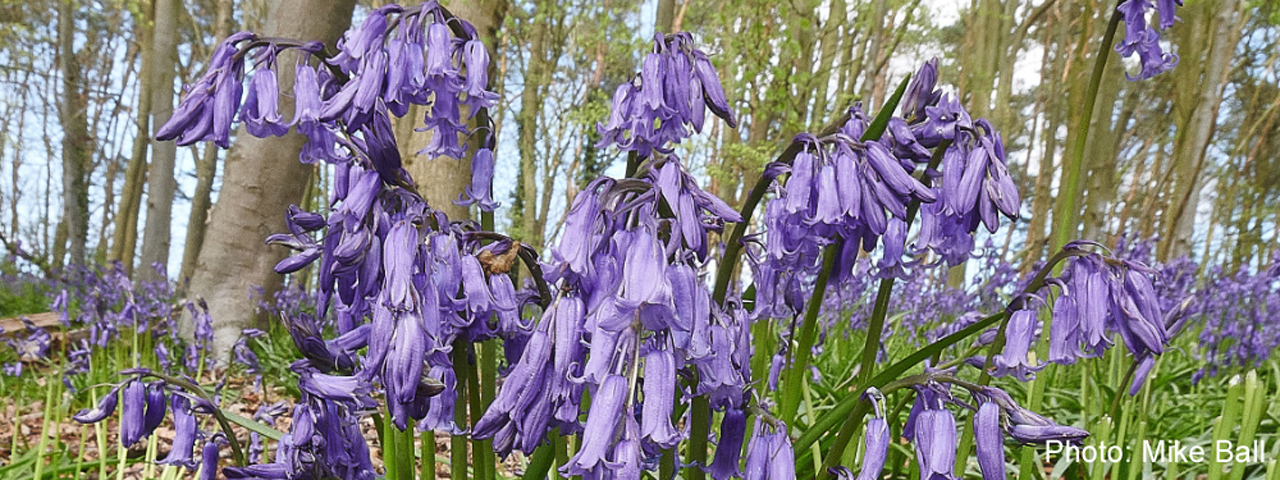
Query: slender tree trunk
x,y
206,170
537,75
448,177
262,177
76,146
160,191
125,238
1221,39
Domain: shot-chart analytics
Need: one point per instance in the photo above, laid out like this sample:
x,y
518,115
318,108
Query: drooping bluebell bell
x,y
733,429
934,435
1019,337
876,441
480,190
133,411
603,421
769,454
1144,40
185,432
105,407
209,458
1026,426
659,399
677,82
210,104
1111,296
990,441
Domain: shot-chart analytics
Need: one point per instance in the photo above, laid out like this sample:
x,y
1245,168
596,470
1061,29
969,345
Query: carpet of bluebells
x,y
666,333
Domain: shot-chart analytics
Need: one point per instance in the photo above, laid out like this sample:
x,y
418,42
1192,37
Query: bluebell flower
x,y
769,454
1144,40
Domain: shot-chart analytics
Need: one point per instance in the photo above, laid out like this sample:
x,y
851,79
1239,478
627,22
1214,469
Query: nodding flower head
x,y
1144,40
677,83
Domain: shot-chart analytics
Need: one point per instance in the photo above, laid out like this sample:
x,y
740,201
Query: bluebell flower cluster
x,y
1101,296
842,189
1241,329
670,96
344,103
631,313
1143,39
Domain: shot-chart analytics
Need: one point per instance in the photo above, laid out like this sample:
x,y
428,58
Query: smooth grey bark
x,y
1220,38
441,180
76,146
161,184
206,170
262,177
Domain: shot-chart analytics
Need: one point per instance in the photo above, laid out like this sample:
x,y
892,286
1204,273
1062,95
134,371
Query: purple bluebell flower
x,y
935,440
209,105
659,399
769,454
1019,336
990,441
480,190
922,92
602,424
733,429
105,407
876,441
209,459
133,411
185,432
1144,40
676,83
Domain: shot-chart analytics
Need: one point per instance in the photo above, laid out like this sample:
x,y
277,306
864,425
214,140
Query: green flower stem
x,y
1065,216
217,413
793,376
699,429
543,456
482,470
842,409
458,443
428,448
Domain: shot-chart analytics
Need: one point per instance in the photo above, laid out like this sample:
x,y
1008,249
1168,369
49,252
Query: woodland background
x,y
1191,157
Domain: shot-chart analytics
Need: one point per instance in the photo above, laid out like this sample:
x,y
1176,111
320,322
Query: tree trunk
x,y
449,177
206,170
125,237
262,177
76,146
537,74
1220,40
155,240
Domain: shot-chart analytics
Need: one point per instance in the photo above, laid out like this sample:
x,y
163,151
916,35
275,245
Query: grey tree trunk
x,y
441,180
125,237
206,170
1219,38
161,184
76,146
263,176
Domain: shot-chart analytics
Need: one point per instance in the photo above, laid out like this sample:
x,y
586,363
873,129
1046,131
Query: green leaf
x,y
253,425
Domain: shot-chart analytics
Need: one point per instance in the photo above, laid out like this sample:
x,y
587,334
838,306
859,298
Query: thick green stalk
x,y
458,443
795,375
488,381
482,470
1066,216
428,447
389,447
543,456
